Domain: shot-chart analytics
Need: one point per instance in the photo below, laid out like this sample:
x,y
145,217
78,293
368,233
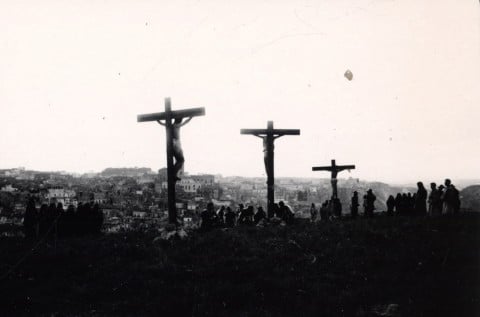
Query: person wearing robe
x,y
370,203
354,205
313,213
390,204
434,201
421,200
259,215
230,218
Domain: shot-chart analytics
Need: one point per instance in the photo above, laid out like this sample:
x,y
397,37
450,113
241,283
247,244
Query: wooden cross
x,y
173,120
269,135
335,169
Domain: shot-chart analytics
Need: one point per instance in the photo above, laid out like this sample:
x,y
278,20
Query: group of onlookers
x,y
225,217
441,200
52,220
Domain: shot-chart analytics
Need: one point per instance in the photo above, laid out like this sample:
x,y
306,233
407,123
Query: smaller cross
x,y
334,169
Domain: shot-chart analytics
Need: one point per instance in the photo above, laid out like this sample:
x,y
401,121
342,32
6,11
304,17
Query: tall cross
x,y
269,135
173,121
335,169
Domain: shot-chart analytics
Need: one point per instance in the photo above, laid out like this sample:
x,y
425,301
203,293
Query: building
x,y
189,185
8,189
204,179
61,195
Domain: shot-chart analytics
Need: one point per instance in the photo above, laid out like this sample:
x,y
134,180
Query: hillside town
x,y
137,197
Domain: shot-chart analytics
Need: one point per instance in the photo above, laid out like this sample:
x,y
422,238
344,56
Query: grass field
x,y
385,266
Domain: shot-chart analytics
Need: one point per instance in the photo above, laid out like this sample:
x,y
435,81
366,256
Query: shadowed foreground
x,y
386,266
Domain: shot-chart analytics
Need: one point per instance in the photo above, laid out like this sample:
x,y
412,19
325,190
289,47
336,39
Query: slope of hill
x,y
470,198
385,266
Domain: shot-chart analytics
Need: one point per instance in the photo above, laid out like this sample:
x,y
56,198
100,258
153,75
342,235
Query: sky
x,y
75,74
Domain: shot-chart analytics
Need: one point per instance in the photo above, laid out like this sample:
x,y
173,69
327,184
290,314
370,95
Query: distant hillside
x,y
126,171
470,197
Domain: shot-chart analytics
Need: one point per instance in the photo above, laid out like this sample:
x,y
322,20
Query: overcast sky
x,y
75,74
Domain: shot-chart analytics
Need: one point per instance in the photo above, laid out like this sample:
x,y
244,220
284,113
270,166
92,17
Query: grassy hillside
x,y
418,266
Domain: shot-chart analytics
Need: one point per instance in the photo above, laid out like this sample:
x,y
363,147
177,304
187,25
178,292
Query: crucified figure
x,y
176,145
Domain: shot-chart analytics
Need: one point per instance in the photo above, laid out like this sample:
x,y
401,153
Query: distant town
x,y
137,197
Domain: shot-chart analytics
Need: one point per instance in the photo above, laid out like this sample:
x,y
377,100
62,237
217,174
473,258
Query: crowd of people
x,y
441,200
444,199
52,220
225,217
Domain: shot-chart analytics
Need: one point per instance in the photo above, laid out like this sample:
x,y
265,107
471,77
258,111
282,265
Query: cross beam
x,y
269,135
334,169
172,128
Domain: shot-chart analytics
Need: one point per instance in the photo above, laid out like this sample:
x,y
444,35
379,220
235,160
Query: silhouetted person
x,y
451,198
69,221
410,203
370,203
97,218
313,213
230,218
221,216
208,217
337,207
324,211
354,205
441,189
246,216
43,220
390,204
364,205
399,203
30,220
259,215
240,210
286,212
59,226
278,211
421,200
434,201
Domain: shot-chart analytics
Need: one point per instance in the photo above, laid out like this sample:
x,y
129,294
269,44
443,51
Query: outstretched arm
x,y
184,122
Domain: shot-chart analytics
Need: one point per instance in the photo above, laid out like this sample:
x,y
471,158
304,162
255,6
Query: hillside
x,y
471,197
386,266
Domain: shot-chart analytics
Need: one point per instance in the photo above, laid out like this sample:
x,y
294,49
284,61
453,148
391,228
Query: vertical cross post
x,y
173,121
269,135
334,169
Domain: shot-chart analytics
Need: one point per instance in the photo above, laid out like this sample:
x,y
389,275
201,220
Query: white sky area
x,y
75,74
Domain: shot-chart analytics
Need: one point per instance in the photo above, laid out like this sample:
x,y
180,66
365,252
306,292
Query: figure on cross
x,y
176,144
172,121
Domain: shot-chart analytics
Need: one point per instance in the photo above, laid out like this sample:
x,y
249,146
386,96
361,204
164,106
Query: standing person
x,y
30,220
354,205
259,216
451,198
398,203
221,216
313,213
390,205
287,213
441,193
230,218
364,205
208,217
370,200
421,200
435,201
337,207
324,211
410,203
